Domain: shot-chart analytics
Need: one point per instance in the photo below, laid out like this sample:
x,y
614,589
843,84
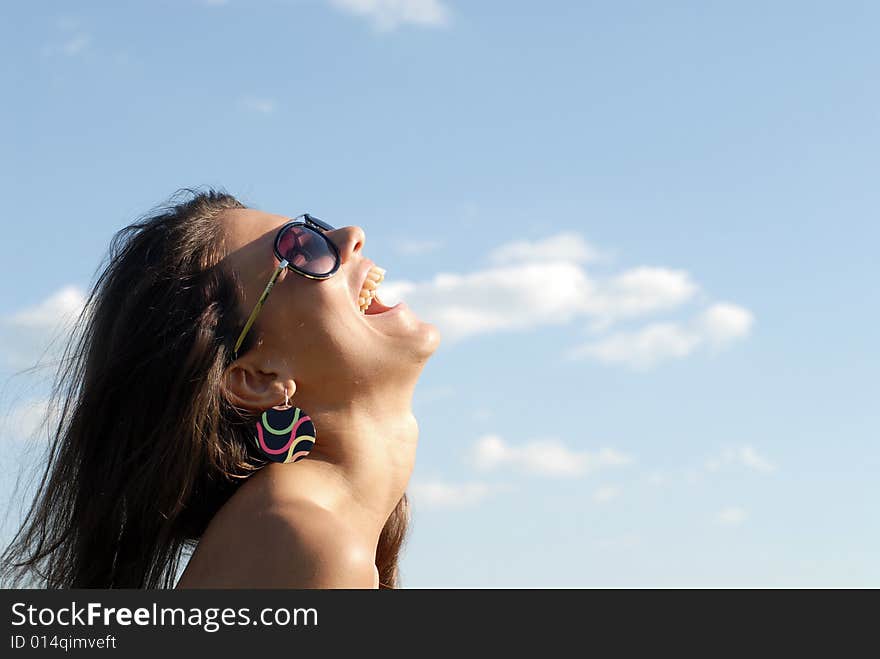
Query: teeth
x,y
371,283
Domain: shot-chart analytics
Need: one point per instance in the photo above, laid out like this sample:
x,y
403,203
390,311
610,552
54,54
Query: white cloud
x,y
716,327
724,322
441,494
544,282
496,299
640,291
23,419
643,348
568,247
547,457
534,294
606,493
59,308
731,516
745,456
386,15
26,334
260,105
533,284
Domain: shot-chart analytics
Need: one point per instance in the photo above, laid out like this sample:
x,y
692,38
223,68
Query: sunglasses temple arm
x,y
259,305
314,221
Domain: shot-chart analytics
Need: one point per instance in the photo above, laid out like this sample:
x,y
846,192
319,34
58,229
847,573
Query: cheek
x,y
300,302
319,325
288,317
317,299
327,331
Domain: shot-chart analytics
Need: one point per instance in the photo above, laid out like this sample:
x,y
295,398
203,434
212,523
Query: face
x,y
312,332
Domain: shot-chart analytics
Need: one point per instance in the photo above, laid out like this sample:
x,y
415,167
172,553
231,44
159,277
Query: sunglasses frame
x,y
310,222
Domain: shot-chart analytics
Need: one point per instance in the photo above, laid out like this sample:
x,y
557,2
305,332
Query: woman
x,y
184,343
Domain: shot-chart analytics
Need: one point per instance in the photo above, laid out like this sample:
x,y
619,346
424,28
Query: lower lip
x,y
389,310
397,308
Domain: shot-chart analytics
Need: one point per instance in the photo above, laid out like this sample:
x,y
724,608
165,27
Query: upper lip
x,y
364,271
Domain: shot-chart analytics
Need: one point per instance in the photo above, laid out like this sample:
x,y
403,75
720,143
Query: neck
x,y
363,455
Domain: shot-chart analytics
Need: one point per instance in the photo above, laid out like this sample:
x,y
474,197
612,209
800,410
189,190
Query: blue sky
x,y
647,231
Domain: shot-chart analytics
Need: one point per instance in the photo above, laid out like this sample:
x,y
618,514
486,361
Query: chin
x,y
408,338
421,342
430,339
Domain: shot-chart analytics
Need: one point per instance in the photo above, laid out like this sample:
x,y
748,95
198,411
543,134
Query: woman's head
x,y
310,338
154,410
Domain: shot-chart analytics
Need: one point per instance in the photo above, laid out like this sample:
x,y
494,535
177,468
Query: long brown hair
x,y
145,449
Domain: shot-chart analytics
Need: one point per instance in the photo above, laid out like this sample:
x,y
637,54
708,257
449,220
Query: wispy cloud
x,y
724,322
532,284
735,457
58,308
567,246
546,457
606,493
71,38
75,44
23,419
745,456
714,328
442,494
69,47
640,291
27,332
387,15
417,247
497,299
258,104
537,292
658,478
732,516
640,349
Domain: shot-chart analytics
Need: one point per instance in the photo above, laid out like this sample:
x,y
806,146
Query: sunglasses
x,y
301,246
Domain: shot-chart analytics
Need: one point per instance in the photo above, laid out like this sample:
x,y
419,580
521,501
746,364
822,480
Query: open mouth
x,y
368,300
376,306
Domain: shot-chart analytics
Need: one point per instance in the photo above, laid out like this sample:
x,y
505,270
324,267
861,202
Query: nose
x,y
348,240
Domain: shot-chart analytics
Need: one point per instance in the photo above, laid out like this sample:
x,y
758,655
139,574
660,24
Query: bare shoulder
x,y
306,546
260,541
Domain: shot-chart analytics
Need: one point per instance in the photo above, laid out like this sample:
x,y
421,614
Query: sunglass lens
x,y
307,250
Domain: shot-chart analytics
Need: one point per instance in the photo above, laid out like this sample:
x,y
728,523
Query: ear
x,y
248,386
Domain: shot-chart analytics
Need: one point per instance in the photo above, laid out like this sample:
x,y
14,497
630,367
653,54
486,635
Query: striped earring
x,y
285,433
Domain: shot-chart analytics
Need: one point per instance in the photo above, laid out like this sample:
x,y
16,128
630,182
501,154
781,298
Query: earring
x,y
285,433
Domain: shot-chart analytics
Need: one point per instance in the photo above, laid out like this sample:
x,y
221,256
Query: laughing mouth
x,y
368,303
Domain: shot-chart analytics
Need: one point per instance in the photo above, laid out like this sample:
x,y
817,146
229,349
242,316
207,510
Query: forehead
x,y
243,226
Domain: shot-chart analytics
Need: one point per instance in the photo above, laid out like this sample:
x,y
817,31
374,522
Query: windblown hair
x,y
145,448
